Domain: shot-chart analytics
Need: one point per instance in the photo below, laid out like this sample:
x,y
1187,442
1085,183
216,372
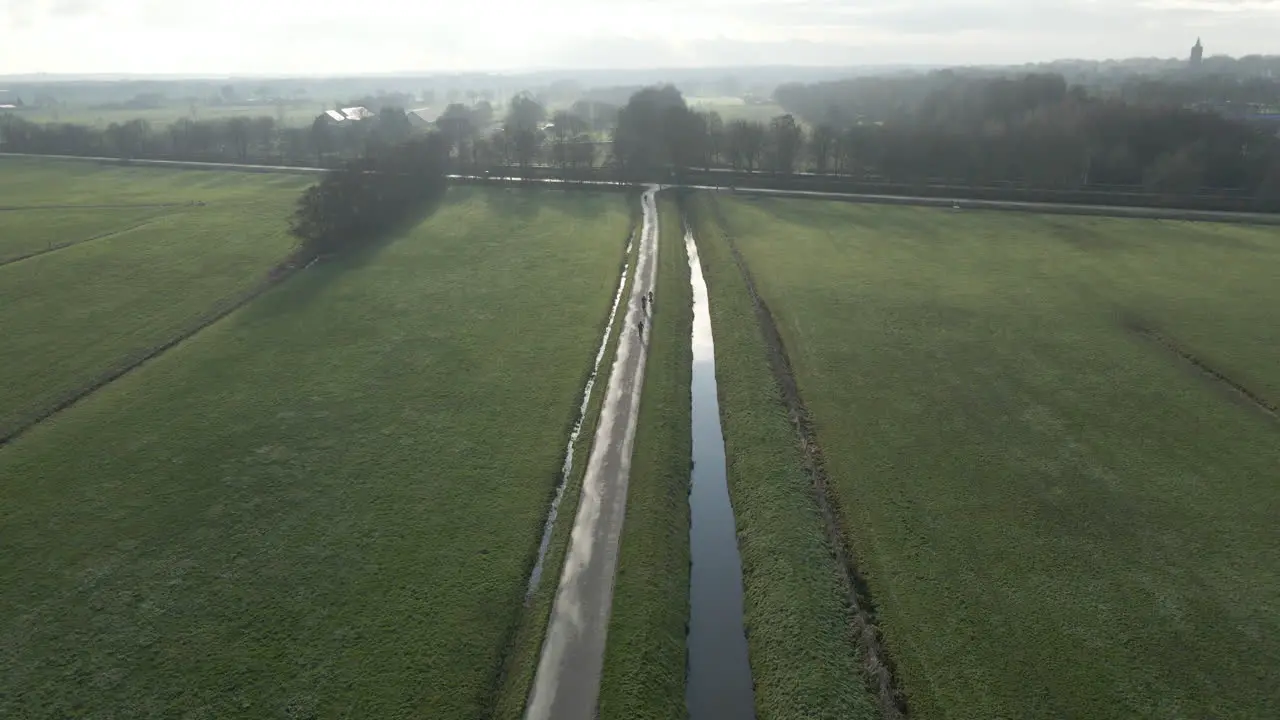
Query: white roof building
x,y
357,113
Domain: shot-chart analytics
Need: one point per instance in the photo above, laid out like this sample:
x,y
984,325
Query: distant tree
x,y
566,130
523,128
457,128
239,134
392,125
128,139
656,134
715,140
360,202
482,114
823,147
262,134
744,144
786,139
321,138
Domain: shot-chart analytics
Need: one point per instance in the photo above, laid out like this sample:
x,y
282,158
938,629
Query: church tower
x,y
1197,54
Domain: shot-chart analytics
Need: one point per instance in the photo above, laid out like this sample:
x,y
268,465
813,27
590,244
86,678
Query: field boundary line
x,y
73,243
876,663
282,271
1258,401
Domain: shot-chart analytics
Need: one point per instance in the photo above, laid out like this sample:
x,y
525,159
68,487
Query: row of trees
x,y
236,139
1033,131
364,199
475,137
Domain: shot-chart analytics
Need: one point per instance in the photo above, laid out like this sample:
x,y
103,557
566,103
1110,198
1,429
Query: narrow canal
x,y
719,683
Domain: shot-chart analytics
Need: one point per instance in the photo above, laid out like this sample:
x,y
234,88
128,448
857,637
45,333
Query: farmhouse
x,y
357,113
347,115
9,100
421,118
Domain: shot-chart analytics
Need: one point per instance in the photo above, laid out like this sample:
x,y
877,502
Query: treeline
x,y
237,139
1034,131
972,135
363,200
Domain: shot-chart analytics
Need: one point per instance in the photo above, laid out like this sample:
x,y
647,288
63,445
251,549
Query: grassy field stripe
x,y
279,274
876,663
73,243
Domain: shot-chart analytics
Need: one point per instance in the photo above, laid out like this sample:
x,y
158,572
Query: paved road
x,y
1016,205
567,684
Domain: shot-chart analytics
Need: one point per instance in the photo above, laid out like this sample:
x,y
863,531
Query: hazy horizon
x,y
154,37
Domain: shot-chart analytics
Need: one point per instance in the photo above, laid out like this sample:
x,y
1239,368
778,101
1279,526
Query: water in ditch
x,y
719,682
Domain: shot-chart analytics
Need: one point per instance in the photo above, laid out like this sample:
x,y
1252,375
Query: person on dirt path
x,y
650,297
640,328
644,304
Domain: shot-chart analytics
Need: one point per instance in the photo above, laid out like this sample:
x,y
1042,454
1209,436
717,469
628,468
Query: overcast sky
x,y
361,36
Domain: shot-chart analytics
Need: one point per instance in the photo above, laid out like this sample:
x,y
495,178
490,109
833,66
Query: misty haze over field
x,y
375,36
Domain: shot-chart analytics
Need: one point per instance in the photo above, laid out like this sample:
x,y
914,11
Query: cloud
x,y
292,36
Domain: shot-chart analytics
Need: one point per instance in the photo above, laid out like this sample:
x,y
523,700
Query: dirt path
x,y
567,684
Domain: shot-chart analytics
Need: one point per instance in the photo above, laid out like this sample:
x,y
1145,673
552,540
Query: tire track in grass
x,y
73,243
1237,389
876,662
277,275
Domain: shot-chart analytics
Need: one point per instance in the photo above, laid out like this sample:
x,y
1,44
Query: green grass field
x,y
644,670
1057,516
323,505
26,182
161,117
731,109
70,315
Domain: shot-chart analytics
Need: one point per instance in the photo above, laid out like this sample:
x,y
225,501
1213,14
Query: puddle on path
x,y
567,468
719,682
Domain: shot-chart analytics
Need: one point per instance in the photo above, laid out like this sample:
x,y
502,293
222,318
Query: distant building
x,y
422,117
9,100
357,113
1197,54
346,115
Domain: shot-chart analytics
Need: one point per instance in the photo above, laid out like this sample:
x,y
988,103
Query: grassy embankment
x,y
805,660
521,661
1057,516
644,667
72,315
326,504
